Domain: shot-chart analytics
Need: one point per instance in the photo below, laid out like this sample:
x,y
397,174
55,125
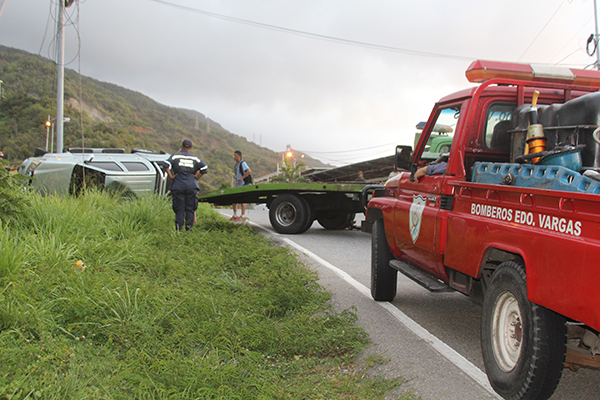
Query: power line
x,y
346,151
540,32
569,41
314,35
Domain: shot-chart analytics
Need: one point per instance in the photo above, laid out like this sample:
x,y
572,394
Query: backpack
x,y
248,179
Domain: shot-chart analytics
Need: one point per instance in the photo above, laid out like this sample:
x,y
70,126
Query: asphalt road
x,y
431,340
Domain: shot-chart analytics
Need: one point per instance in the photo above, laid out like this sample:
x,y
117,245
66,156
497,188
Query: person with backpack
x,y
241,172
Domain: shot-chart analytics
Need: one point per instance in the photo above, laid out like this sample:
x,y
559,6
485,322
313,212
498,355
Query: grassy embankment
x,y
217,313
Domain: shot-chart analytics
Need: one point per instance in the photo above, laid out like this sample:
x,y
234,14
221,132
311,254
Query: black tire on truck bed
x,y
523,344
334,220
289,213
383,277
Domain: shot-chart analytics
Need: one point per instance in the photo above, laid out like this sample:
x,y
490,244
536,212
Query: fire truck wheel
x,y
383,277
523,344
334,220
288,214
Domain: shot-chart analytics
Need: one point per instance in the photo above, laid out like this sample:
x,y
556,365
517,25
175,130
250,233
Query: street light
x,y
50,123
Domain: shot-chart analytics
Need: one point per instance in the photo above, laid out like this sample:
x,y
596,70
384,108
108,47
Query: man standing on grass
x,y
184,169
241,172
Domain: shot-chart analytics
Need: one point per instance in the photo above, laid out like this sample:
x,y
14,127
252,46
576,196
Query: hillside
x,y
107,115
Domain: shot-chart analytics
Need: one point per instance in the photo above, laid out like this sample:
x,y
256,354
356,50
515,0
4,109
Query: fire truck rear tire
x,y
383,277
289,214
523,344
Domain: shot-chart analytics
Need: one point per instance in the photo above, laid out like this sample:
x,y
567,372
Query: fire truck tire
x,y
334,220
383,277
289,214
523,344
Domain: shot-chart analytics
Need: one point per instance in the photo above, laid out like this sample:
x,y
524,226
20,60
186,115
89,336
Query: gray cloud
x,y
288,88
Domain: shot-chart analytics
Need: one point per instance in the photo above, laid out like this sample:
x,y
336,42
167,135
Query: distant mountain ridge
x,y
108,115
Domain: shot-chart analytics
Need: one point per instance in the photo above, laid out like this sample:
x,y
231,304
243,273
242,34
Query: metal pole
x,y
48,123
60,87
596,36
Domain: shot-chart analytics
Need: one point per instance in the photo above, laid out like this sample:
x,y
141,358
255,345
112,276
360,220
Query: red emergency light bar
x,y
481,71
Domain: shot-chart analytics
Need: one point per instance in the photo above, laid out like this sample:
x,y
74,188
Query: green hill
x,y
106,115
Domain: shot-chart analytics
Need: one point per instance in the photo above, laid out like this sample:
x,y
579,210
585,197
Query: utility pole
x,y
60,86
60,64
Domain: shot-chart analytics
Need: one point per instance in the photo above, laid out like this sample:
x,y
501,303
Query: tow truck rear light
x,y
481,71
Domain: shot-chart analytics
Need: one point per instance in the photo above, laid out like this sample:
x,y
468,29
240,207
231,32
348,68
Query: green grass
x,y
217,313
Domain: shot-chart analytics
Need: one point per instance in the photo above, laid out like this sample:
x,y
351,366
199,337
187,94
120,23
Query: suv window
x,y
135,166
107,165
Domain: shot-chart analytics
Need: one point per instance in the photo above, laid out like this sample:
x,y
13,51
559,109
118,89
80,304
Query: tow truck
x,y
293,207
513,221
332,196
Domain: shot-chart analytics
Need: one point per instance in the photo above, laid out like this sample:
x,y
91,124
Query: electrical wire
x,y
69,22
567,56
542,30
80,95
313,35
46,30
569,41
353,160
347,158
345,151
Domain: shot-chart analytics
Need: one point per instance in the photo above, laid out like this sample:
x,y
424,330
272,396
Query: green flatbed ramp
x,y
261,193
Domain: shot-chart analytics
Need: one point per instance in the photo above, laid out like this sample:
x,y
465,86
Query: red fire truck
x,y
510,216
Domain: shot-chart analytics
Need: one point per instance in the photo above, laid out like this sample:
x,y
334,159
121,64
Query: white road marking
x,y
452,355
448,352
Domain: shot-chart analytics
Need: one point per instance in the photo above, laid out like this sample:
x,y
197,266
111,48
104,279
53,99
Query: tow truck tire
x,y
289,214
383,277
310,217
335,220
523,344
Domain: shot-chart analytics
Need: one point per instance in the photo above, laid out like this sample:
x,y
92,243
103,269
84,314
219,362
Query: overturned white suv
x,y
136,173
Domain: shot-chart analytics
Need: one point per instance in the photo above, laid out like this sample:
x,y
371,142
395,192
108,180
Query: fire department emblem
x,y
415,216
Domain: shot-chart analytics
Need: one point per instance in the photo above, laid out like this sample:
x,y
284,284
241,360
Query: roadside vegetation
x,y
100,298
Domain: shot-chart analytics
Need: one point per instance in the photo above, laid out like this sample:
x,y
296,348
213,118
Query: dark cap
x,y
187,144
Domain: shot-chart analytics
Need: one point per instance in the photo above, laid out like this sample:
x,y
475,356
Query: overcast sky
x,y
342,80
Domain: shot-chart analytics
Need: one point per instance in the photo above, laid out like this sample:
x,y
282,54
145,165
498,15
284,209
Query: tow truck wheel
x,y
334,220
310,218
523,344
383,277
288,214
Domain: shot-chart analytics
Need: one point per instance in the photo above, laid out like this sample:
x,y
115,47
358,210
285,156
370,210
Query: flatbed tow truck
x,y
293,207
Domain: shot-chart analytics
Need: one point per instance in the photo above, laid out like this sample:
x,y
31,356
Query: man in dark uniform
x,y
185,168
